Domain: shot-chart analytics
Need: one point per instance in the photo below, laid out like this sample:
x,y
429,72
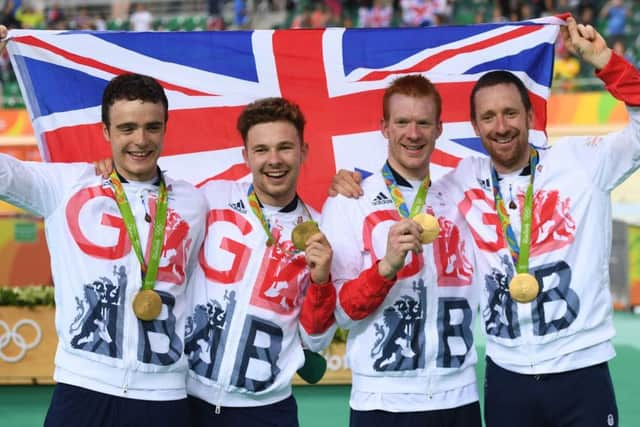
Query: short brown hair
x,y
413,85
131,87
269,110
499,77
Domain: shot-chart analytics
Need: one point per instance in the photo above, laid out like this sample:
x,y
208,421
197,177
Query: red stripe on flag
x,y
234,173
445,159
433,60
33,41
302,79
82,143
193,130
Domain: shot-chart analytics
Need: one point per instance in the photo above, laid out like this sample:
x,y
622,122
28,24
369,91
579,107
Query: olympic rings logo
x,y
8,336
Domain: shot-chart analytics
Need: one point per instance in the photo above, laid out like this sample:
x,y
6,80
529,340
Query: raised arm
x,y
608,159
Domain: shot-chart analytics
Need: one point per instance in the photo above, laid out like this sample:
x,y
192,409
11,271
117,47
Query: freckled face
x,y
411,130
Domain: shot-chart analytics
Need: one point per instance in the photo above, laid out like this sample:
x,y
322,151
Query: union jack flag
x,y
336,75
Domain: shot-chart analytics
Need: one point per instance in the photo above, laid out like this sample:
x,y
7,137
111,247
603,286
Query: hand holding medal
x,y
307,237
302,232
429,224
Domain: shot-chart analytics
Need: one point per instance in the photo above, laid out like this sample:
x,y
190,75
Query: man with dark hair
x,y
270,110
262,291
132,87
121,250
409,305
540,221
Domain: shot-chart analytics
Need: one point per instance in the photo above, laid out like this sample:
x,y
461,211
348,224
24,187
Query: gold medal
x,y
430,227
147,304
302,232
524,288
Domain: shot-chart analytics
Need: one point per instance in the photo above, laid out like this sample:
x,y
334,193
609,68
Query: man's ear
x,y
384,128
105,132
244,155
530,118
475,127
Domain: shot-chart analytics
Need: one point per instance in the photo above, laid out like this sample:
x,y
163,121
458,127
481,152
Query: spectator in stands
x,y
421,13
7,16
335,9
526,12
496,15
376,14
241,17
214,20
587,13
119,9
541,7
320,16
566,68
141,19
82,20
562,6
29,16
100,22
444,13
55,17
618,45
615,13
302,19
587,16
503,8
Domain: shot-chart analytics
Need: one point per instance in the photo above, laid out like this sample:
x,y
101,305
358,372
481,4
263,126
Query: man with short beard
x,y
542,227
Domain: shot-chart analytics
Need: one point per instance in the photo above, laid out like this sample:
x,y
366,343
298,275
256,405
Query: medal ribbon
x,y
398,199
150,270
257,210
520,254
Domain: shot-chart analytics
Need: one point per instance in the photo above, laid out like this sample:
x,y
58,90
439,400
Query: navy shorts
x,y
580,398
279,414
462,416
73,406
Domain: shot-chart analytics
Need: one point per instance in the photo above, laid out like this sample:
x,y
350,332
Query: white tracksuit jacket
x,y
102,345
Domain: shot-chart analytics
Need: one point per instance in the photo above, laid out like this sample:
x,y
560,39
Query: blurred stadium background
x,y
578,105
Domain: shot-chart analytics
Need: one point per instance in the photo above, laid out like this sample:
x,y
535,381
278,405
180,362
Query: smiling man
x,y
136,131
119,286
542,234
263,290
409,306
